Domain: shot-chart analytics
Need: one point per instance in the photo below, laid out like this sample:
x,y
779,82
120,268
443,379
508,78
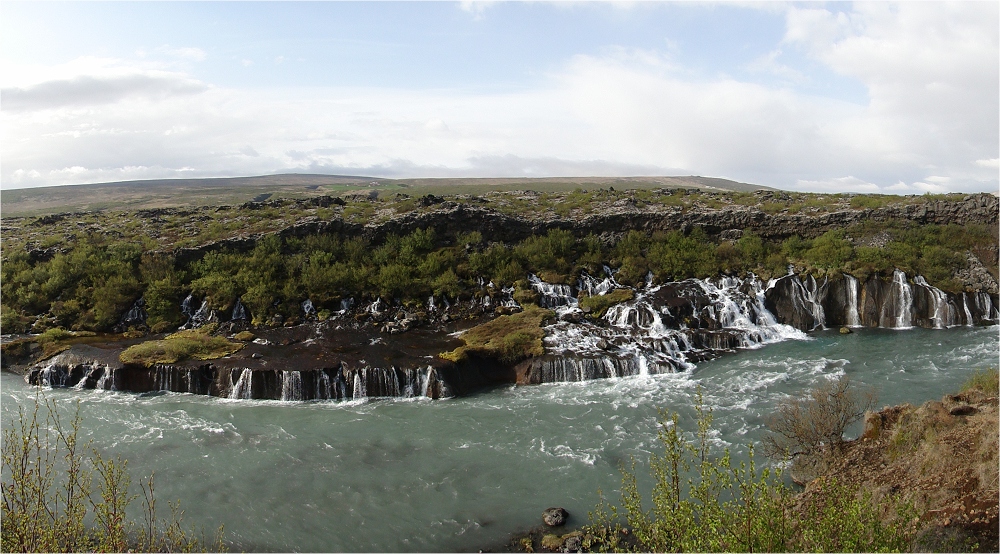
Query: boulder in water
x,y
845,331
554,517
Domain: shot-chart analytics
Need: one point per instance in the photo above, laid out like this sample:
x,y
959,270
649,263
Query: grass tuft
x,y
986,380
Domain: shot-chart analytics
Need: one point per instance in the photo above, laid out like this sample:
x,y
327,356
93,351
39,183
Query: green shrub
x,y
830,250
62,495
703,502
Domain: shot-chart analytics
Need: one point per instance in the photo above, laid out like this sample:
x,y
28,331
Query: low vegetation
x,y
701,501
82,272
62,495
984,380
197,344
597,305
810,430
508,338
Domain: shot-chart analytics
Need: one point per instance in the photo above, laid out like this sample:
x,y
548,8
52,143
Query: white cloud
x,y
840,184
930,125
768,63
88,90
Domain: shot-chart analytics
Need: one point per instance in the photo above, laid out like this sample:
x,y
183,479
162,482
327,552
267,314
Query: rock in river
x,y
554,517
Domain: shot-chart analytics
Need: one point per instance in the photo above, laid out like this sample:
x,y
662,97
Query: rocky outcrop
x,y
941,457
449,218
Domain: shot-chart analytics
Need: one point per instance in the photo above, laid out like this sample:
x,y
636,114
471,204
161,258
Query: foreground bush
x,y
701,502
51,502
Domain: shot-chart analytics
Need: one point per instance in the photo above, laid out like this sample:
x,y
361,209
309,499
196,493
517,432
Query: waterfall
x,y
324,389
968,314
984,306
199,317
507,298
425,389
647,335
239,311
243,388
308,310
809,290
291,385
106,375
943,314
593,287
54,375
359,385
552,295
853,319
904,301
430,304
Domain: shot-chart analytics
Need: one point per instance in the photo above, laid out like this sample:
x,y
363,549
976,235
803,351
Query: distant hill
x,y
181,193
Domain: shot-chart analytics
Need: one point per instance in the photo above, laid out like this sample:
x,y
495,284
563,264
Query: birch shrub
x,y
63,495
702,501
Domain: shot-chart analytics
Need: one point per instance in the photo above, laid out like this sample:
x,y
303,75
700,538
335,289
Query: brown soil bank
x,y
942,457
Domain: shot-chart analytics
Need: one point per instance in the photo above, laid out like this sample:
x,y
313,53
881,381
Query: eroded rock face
x,y
894,301
448,218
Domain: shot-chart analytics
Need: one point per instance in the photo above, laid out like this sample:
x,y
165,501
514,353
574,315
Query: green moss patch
x,y
508,338
596,306
197,344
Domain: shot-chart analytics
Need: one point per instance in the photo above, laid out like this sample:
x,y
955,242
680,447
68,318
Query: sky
x,y
826,97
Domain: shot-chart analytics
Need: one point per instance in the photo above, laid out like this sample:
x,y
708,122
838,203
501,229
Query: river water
x,y
464,473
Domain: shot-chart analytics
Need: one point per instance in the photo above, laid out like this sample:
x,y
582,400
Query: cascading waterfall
x,y
904,301
107,380
853,319
593,287
239,311
507,298
968,313
54,375
981,301
291,386
944,313
324,388
552,295
637,339
242,389
359,385
807,296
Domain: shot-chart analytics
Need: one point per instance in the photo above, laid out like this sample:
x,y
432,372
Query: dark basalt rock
x,y
554,517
